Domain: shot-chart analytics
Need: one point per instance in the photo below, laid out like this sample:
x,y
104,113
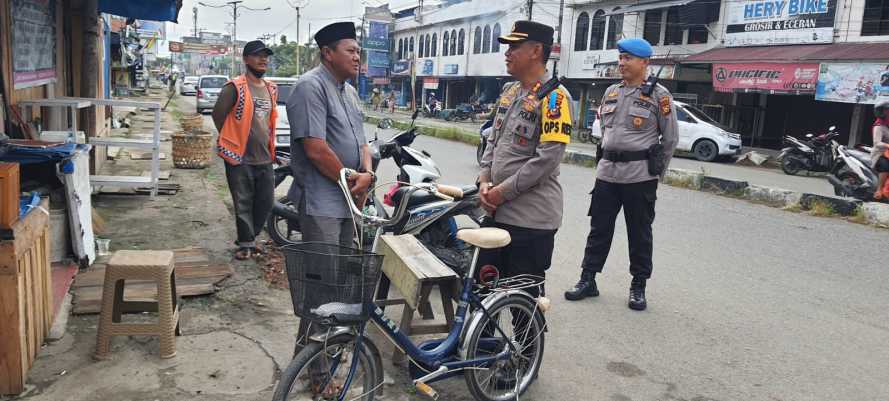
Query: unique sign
x,y
765,77
853,82
779,22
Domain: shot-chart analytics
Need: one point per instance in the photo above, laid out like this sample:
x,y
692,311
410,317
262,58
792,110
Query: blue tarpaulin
x,y
28,155
153,10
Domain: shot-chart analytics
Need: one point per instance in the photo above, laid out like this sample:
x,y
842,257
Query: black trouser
x,y
529,252
637,201
253,195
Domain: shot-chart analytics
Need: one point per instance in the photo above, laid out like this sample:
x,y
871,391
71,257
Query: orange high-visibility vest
x,y
232,141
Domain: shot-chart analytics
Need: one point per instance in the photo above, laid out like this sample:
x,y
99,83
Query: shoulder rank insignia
x,y
612,94
665,105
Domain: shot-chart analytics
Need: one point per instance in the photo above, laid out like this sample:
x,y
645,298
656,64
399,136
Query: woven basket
x,y
192,122
192,149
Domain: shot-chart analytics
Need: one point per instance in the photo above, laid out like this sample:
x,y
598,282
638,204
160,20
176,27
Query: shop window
x,y
462,42
652,29
434,45
454,42
673,33
582,32
486,41
428,46
477,41
420,47
401,49
444,44
875,21
597,29
698,34
615,30
495,45
411,48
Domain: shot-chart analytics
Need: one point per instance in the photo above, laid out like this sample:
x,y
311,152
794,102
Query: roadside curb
x,y
863,212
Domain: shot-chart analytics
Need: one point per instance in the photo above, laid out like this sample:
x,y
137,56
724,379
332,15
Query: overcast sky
x,y
280,20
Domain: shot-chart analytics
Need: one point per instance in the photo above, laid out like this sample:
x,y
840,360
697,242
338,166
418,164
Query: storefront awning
x,y
794,53
651,5
152,10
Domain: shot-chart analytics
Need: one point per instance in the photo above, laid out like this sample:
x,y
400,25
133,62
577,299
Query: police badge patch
x,y
665,105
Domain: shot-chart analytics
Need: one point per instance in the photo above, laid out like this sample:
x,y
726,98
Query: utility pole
x,y
419,19
559,38
194,10
298,6
530,7
235,6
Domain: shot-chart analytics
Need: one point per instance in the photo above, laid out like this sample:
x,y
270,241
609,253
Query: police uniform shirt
x,y
320,107
524,153
631,121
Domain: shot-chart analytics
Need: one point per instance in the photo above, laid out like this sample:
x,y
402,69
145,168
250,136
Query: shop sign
x,y
765,77
853,83
451,69
382,81
779,22
402,67
33,45
428,66
430,83
377,59
378,36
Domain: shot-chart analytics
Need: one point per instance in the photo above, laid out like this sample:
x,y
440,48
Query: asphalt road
x,y
746,303
773,178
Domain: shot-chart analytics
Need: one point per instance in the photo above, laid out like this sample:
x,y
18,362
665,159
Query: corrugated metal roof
x,y
794,53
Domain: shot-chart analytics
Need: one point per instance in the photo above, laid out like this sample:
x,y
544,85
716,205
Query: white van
x,y
699,134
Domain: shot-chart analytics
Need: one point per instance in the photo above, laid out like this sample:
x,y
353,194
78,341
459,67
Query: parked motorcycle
x,y
463,112
852,174
431,219
815,154
431,110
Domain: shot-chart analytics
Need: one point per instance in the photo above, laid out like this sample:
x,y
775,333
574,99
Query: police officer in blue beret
x,y
639,134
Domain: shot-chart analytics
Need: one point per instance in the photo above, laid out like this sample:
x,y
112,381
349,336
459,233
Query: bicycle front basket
x,y
330,283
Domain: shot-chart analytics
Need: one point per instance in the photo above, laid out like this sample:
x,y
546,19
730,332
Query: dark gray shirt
x,y
320,107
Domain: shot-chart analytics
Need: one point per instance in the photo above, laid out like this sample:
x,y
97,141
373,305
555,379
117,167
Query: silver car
x,y
208,88
189,86
282,129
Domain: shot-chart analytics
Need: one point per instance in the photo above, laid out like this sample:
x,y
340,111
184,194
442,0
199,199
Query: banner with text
x,y
33,42
765,77
779,22
853,83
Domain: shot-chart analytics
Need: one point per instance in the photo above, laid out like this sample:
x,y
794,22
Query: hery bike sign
x,y
779,22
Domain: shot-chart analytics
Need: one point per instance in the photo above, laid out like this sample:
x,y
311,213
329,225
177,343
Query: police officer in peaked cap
x,y
639,134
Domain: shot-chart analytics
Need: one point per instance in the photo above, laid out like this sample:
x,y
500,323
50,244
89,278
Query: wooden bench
x,y
415,271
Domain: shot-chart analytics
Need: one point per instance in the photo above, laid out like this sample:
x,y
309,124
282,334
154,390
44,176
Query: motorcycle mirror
x,y
416,113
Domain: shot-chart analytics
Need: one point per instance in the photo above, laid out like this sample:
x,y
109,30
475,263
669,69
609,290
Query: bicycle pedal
x,y
426,390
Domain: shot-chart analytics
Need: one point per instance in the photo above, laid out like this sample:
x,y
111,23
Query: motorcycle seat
x,y
485,238
419,197
469,190
861,156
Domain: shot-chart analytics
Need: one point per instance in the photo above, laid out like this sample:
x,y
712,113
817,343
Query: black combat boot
x,y
584,288
637,294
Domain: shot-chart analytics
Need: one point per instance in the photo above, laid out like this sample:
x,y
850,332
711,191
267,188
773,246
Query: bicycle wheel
x,y
282,230
314,367
521,323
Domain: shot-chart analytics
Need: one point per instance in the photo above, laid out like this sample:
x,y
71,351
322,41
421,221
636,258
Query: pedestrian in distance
x,y
245,117
518,181
391,102
639,134
880,150
327,135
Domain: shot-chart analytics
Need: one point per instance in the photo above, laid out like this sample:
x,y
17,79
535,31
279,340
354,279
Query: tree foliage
x,y
285,62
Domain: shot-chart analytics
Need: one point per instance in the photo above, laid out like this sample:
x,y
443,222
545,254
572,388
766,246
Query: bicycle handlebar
x,y
402,206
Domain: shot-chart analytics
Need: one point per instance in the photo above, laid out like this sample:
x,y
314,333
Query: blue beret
x,y
636,46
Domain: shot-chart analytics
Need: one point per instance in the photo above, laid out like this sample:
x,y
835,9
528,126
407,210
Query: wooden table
x,y
26,300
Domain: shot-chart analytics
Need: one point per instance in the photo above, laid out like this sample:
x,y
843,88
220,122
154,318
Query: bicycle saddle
x,y
485,238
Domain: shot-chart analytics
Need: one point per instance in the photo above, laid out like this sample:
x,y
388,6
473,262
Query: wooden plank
x,y
94,304
94,277
408,264
12,341
26,231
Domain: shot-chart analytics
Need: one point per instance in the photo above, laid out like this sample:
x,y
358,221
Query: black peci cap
x,y
529,30
256,46
334,32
